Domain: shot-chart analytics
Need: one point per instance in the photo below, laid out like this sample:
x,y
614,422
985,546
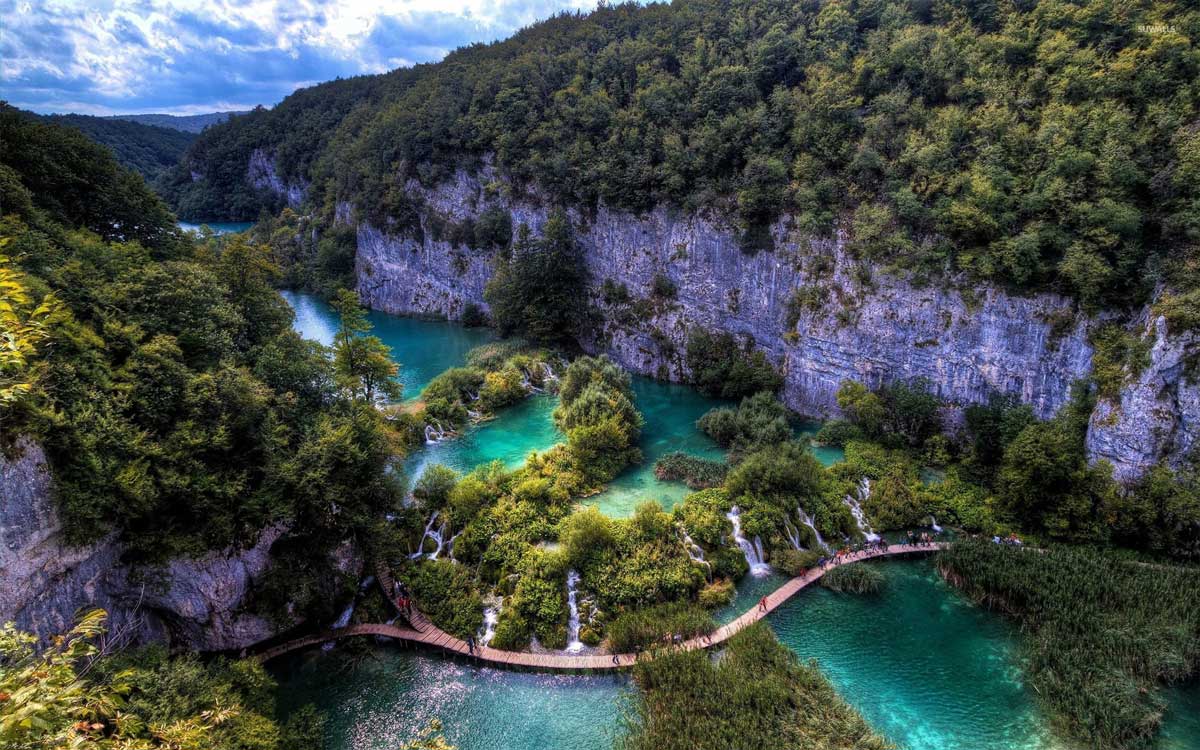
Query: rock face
x,y
821,316
262,174
198,604
1159,412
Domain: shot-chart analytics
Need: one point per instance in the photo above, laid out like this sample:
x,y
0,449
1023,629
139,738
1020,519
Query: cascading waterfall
x,y
491,616
527,384
933,524
695,552
807,520
574,645
344,618
435,433
548,375
855,504
752,551
437,535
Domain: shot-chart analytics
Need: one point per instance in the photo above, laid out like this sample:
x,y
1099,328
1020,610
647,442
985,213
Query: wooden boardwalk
x,y
422,631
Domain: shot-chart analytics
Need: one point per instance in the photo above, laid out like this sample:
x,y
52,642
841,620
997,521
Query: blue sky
x,y
192,56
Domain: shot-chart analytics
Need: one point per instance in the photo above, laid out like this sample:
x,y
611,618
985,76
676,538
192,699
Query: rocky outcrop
x,y
821,315
1158,415
199,604
262,174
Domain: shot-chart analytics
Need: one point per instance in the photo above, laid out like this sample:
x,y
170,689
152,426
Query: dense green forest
x,y
1034,144
149,150
162,376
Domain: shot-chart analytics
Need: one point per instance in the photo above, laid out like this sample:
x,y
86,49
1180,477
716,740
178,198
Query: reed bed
x,y
642,629
696,473
756,695
1103,634
856,578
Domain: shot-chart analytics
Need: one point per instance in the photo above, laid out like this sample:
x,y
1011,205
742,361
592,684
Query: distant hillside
x,y
146,149
186,123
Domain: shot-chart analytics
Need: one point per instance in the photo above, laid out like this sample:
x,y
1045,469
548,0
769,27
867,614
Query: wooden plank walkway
x,y
422,631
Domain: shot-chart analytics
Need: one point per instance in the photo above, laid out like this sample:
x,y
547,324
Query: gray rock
x,y
262,174
198,604
861,323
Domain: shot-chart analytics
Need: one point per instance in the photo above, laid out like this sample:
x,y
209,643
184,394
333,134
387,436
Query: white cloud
x,y
190,55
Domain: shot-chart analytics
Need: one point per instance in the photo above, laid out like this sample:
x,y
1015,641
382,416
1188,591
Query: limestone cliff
x,y
199,604
820,315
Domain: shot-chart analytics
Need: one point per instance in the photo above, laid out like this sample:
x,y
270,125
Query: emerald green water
x,y
423,348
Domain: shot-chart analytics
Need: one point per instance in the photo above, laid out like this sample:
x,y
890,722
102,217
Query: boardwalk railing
x,y
426,633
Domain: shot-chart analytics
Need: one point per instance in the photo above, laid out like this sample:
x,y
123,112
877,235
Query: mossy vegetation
x,y
856,578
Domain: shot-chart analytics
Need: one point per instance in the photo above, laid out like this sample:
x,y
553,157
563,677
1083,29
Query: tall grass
x,y
1103,633
641,629
853,579
757,695
697,473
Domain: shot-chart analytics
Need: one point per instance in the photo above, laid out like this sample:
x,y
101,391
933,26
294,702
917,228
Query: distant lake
x,y
218,227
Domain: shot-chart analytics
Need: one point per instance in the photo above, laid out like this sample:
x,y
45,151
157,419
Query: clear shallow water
x,y
218,227
387,698
925,667
423,348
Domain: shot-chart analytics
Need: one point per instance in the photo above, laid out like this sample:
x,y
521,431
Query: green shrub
x,y
446,593
759,421
723,368
793,562
837,433
716,594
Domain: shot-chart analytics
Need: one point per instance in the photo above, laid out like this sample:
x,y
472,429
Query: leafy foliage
x,y
72,694
149,150
721,367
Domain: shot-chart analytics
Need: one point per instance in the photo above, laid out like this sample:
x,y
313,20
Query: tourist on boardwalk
x,y
762,604
617,659
471,644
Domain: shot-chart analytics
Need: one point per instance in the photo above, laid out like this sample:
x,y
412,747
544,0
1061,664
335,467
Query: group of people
x,y
1011,540
403,600
924,539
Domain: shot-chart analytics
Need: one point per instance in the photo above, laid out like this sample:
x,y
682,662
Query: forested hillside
x,y
148,150
183,123
1035,144
162,376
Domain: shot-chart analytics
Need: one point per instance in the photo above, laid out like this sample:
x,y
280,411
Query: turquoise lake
x,y
218,227
925,667
425,348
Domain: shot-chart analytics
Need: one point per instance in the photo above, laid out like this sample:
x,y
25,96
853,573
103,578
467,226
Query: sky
x,y
192,56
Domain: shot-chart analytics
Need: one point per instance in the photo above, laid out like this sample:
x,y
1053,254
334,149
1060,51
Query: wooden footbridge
x,y
421,631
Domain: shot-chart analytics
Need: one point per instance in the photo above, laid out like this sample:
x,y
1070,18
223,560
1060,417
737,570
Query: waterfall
x,y
491,616
475,415
574,645
437,535
548,375
694,551
752,551
933,524
435,433
854,502
526,384
807,520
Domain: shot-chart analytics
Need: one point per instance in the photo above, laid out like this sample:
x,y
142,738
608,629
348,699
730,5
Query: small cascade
x,y
752,550
793,535
807,520
933,524
491,616
474,415
695,552
344,618
854,502
437,535
450,545
548,375
435,433
574,645
527,384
